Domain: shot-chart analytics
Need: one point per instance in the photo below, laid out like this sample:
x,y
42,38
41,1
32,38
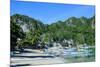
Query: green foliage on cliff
x,y
32,31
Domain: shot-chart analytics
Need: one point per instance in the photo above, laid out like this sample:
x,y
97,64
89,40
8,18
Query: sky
x,y
51,12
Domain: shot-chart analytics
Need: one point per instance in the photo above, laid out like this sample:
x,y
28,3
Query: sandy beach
x,y
34,57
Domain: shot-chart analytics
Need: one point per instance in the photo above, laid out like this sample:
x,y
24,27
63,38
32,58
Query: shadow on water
x,y
34,56
26,51
20,65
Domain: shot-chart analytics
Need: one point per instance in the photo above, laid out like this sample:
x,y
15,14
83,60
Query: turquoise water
x,y
79,59
84,55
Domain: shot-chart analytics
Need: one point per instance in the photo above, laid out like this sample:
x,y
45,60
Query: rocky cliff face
x,y
80,30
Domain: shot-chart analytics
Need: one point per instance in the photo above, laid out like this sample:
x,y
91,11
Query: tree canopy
x,y
32,31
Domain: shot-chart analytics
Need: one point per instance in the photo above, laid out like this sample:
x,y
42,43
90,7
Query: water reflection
x,y
81,54
84,54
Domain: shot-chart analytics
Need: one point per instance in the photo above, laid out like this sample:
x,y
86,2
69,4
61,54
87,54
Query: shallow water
x,y
79,59
87,55
36,57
